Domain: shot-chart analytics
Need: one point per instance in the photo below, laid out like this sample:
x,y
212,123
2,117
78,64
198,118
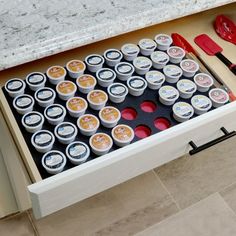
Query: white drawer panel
x,y
83,181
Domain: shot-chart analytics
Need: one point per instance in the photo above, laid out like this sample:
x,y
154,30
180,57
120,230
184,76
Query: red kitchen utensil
x,y
180,41
225,28
213,49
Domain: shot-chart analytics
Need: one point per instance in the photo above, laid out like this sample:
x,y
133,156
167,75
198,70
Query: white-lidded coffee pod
x,y
203,82
76,106
88,124
130,51
97,99
94,62
45,96
32,121
182,111
15,87
147,46
75,68
201,104
112,57
136,85
159,59
124,70
117,92
55,114
168,95
77,152
56,74
65,132
53,162
176,54
122,135
142,65
100,143
66,89
186,88
105,76
218,97
23,103
35,80
189,67
109,116
172,73
155,79
86,83
163,41
43,140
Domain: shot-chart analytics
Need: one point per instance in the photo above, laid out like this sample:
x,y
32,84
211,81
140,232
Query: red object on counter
x,y
225,28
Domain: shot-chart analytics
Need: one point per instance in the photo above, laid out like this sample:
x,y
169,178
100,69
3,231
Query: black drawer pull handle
x,y
197,149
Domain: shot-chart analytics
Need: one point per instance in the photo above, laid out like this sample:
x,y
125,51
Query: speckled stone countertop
x,y
33,29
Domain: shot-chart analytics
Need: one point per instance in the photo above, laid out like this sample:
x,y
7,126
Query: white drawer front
x,y
83,181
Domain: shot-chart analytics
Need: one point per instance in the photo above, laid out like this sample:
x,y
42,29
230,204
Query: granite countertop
x,y
33,29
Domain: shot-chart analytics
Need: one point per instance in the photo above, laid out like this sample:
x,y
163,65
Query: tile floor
x,y
190,196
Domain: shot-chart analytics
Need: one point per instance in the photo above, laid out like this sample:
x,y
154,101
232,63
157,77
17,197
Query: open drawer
x,y
80,182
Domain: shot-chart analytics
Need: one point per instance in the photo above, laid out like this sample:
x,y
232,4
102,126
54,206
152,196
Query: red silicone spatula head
x,y
207,44
180,41
225,28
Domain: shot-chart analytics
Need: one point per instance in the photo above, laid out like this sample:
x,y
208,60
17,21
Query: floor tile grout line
x,y
228,186
163,185
32,224
227,205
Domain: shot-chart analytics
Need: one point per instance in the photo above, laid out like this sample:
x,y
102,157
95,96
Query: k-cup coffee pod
x,y
124,70
117,92
43,141
55,114
172,73
168,95
182,111
15,87
176,54
97,99
109,116
147,46
136,85
122,135
163,41
53,162
203,82
189,67
32,121
105,77
86,83
23,103
45,96
130,51
218,97
56,74
75,68
142,65
77,152
76,106
155,79
65,132
159,59
94,62
112,57
35,80
201,104
186,88
100,143
66,89
88,124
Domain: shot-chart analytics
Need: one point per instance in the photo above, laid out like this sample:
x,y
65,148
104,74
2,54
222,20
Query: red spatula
x,y
213,49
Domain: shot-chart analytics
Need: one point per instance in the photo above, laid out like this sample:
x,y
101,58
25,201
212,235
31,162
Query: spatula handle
x,y
227,62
